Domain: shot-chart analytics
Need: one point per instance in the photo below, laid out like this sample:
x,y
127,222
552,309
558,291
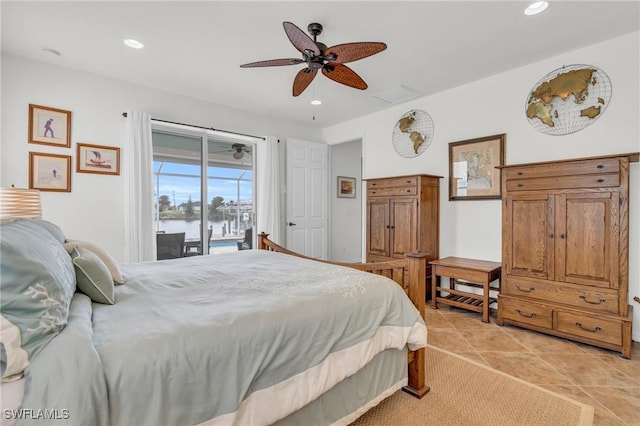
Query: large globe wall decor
x,y
413,133
568,99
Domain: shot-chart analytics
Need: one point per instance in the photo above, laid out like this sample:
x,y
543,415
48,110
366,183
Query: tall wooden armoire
x,y
403,216
565,249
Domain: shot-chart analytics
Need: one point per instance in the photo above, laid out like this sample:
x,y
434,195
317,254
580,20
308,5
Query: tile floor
x,y
588,374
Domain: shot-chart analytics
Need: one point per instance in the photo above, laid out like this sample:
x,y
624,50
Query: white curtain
x,y
268,188
139,237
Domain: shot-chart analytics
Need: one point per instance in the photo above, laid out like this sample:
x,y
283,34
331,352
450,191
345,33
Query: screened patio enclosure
x,y
203,180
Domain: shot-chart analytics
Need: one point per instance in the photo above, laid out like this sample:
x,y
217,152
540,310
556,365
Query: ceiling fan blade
x,y
350,52
273,63
344,75
302,80
300,39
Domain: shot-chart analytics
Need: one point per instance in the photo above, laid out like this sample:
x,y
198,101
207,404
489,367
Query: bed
x,y
250,337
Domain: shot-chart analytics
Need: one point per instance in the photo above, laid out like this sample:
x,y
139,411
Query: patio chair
x,y
247,243
194,248
169,246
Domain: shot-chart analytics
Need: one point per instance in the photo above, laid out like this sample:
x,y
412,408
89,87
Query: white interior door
x,y
307,171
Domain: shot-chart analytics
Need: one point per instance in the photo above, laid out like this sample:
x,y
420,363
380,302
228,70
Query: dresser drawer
x,y
580,297
607,165
526,312
392,187
592,327
564,182
393,182
392,191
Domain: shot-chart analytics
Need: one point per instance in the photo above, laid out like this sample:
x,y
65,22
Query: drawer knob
x,y
519,173
520,185
591,330
600,166
533,314
600,301
526,290
600,180
373,192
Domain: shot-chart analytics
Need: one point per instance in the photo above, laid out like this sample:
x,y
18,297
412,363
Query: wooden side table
x,y
475,273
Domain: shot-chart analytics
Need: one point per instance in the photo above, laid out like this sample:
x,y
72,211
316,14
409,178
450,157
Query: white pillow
x,y
109,261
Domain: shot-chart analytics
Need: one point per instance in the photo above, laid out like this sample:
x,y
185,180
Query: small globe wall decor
x,y
412,133
568,99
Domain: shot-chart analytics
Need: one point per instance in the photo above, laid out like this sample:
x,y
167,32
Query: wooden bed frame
x,y
410,273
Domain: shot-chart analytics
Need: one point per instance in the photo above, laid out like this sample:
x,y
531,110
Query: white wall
x,y
496,105
346,213
93,210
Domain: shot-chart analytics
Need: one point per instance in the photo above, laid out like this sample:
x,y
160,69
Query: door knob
x,y
292,224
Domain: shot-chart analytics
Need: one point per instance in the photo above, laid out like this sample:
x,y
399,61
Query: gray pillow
x,y
92,276
36,286
109,261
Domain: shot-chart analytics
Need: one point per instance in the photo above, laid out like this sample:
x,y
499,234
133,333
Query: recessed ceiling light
x,y
134,44
316,102
535,8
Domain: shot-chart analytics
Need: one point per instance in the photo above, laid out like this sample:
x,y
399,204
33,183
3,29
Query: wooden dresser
x,y
565,257
403,216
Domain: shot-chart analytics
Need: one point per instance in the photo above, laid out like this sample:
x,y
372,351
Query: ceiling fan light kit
x,y
238,151
317,56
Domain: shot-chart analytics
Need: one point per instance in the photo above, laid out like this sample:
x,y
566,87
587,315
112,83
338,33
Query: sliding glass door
x,y
203,179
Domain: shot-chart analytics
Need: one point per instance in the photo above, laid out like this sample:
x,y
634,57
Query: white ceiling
x,y
195,48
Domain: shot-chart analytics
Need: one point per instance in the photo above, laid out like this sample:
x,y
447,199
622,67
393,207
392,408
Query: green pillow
x,y
93,277
109,261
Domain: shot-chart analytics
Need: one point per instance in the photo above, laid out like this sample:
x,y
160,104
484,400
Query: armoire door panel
x,y
378,227
403,226
589,237
531,244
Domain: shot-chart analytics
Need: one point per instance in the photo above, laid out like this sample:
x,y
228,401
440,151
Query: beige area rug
x,y
467,393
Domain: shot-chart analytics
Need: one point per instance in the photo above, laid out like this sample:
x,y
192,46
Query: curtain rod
x,y
124,114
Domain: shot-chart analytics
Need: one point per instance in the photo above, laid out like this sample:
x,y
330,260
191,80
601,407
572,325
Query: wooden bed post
x,y
417,292
261,237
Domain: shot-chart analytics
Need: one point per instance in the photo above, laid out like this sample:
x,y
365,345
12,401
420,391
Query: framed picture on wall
x,y
97,159
49,126
346,187
472,168
49,172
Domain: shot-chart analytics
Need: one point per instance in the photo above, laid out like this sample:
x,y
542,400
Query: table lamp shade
x,y
19,203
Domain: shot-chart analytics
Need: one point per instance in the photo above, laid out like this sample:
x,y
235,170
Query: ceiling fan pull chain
x,y
313,105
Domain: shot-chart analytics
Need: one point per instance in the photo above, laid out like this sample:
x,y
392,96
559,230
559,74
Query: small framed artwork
x,y
472,168
98,159
49,172
49,126
346,187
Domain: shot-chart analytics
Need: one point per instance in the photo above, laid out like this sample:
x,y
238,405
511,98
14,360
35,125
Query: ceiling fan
x,y
238,149
317,56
